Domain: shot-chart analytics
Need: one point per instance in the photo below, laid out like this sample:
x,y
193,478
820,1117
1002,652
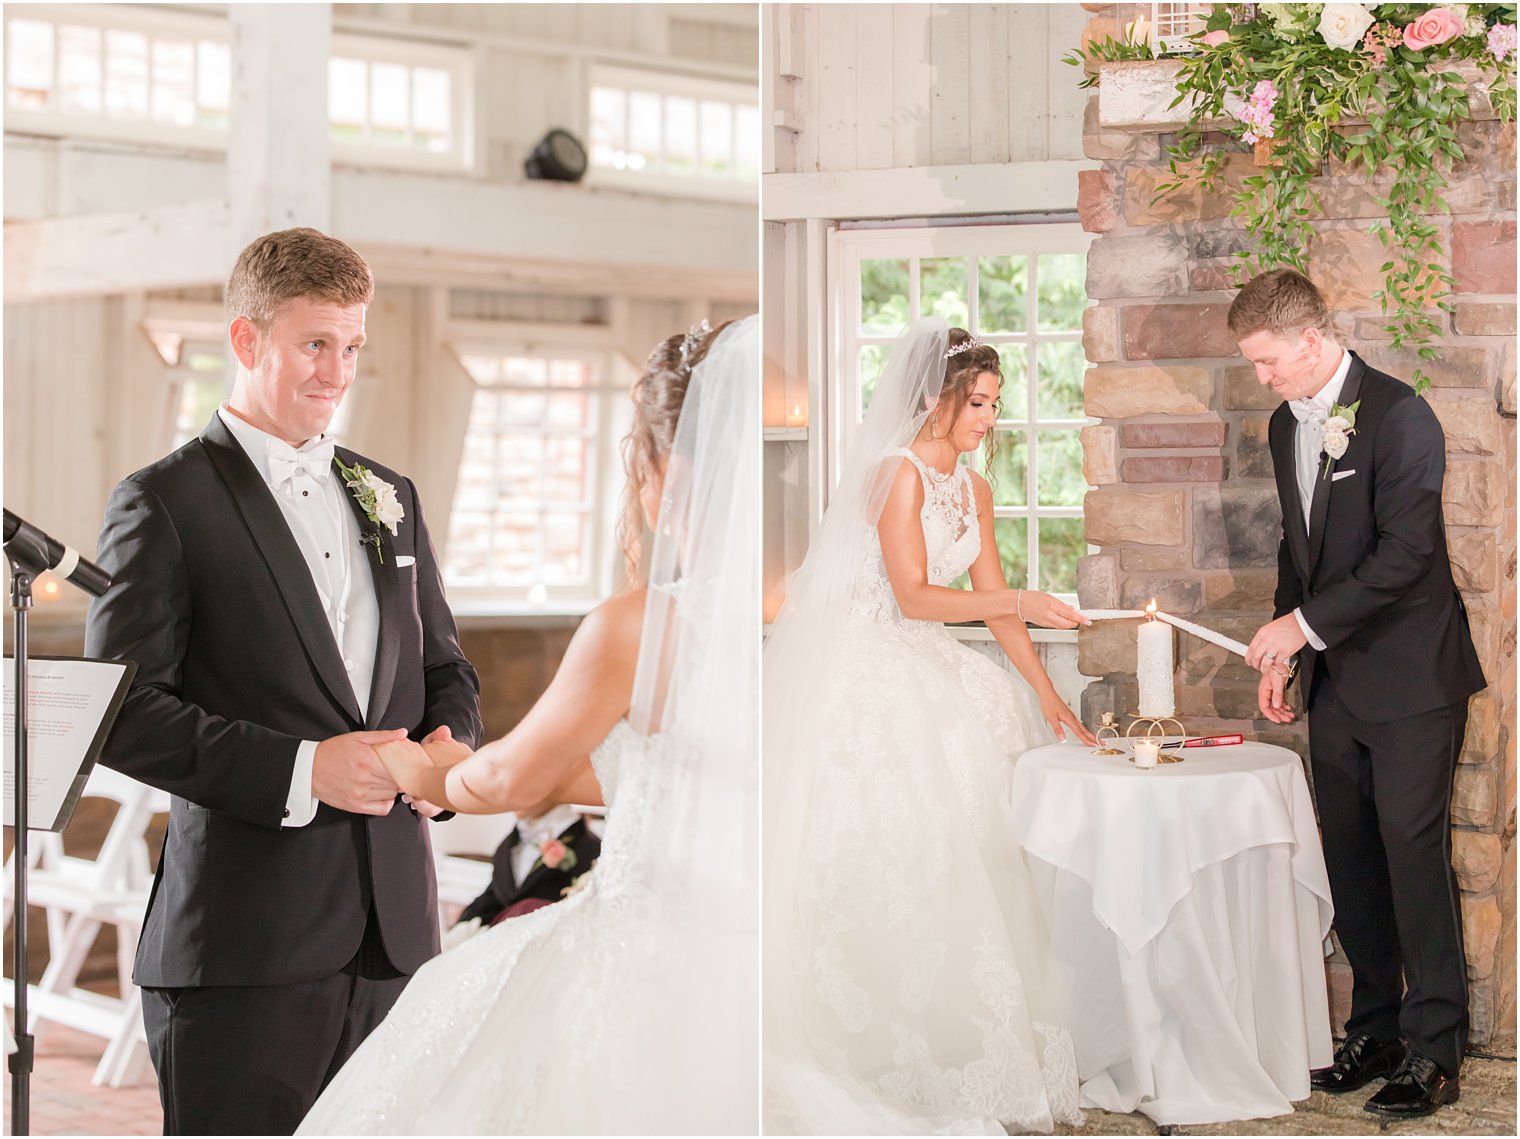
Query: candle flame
x,y
1150,610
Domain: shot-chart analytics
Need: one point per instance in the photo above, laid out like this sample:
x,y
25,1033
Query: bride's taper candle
x,y
1154,668
1111,614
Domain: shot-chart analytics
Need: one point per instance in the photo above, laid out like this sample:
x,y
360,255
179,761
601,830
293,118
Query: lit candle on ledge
x,y
796,417
1154,667
1137,31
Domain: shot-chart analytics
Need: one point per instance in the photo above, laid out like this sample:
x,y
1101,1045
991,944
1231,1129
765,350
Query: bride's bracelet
x,y
1021,604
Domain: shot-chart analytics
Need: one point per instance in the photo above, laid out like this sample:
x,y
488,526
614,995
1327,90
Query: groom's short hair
x,y
293,263
1283,302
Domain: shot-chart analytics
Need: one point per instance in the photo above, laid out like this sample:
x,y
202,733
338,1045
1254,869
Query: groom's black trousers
x,y
251,1060
1384,797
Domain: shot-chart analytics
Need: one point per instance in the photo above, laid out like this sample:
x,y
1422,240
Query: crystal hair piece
x,y
966,346
694,336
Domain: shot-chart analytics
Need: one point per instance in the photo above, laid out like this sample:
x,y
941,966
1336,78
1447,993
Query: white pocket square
x,y
1338,475
404,560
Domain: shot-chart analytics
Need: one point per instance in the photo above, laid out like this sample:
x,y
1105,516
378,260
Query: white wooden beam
x,y
278,155
94,254
560,237
542,222
924,191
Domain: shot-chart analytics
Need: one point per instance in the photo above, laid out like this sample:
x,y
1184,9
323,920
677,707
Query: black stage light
x,y
558,158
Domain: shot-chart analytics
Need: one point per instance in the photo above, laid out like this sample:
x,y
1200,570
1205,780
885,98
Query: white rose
x,y
1338,423
1336,443
388,509
1344,25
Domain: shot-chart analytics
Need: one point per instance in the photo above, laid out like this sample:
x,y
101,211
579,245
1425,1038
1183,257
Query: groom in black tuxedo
x,y
1365,597
281,628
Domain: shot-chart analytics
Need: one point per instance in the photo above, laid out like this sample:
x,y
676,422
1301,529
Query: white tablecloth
x,y
1188,907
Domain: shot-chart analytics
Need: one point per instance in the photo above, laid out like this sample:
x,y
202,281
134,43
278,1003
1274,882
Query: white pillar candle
x,y
1147,753
1157,696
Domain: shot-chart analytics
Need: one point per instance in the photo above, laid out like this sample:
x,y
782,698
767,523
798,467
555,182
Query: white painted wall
x,y
883,86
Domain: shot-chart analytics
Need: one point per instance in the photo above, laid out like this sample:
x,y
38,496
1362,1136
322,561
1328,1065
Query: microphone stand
x,y
21,1061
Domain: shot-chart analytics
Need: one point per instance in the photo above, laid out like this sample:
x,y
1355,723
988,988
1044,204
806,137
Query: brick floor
x,y
64,1102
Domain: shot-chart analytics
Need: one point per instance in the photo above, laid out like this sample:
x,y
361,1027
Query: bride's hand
x,y
405,760
446,753
1048,612
1060,717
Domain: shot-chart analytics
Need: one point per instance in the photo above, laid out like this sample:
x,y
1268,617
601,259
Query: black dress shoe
x,y
1416,1089
1358,1062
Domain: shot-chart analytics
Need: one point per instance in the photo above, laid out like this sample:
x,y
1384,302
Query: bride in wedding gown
x,y
903,942
631,1006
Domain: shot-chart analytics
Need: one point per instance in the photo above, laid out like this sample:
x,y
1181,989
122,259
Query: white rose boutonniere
x,y
1344,25
1338,431
376,497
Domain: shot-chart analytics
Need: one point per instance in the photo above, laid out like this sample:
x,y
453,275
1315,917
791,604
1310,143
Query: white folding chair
x,y
461,880
80,896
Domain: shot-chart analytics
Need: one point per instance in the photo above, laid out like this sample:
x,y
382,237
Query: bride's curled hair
x,y
961,371
658,395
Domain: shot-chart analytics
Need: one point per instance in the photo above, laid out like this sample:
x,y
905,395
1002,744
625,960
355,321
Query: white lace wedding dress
x,y
546,1023
917,996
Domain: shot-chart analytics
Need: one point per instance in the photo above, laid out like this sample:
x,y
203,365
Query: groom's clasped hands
x,y
362,772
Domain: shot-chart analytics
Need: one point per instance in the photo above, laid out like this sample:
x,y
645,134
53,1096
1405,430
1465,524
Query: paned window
x,y
528,519
1021,289
674,134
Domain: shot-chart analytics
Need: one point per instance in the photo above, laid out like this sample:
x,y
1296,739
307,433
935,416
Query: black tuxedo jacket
x,y
1371,573
540,882
236,665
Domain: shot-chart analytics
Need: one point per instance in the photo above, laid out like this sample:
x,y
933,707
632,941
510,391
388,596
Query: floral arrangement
x,y
1286,78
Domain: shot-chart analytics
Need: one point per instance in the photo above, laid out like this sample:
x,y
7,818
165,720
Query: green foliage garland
x,y
1301,89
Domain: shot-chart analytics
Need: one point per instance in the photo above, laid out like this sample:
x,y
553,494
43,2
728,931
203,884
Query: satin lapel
x,y
1283,434
1322,482
272,537
388,596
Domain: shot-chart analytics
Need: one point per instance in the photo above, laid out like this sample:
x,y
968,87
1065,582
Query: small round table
x,y
1188,908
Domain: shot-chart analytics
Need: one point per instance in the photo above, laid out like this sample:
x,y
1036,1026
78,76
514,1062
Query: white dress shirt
x,y
327,533
1311,414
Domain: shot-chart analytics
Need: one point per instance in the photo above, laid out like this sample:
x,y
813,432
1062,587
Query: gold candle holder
x,y
1154,725
1111,726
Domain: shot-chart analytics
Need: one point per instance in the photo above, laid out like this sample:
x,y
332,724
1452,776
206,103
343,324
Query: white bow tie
x,y
285,462
1309,411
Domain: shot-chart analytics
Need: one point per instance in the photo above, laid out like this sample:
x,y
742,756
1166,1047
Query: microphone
x,y
37,552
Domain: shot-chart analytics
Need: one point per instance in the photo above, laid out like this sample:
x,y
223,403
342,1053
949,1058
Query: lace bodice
x,y
952,539
638,775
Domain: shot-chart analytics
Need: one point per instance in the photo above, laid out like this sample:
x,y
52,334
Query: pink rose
x,y
1436,26
1214,39
552,853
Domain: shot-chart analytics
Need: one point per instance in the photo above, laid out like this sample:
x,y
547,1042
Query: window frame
x,y
53,122
664,83
609,395
852,247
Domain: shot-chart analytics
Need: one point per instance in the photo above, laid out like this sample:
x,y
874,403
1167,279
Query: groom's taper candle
x,y
1219,639
1154,668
